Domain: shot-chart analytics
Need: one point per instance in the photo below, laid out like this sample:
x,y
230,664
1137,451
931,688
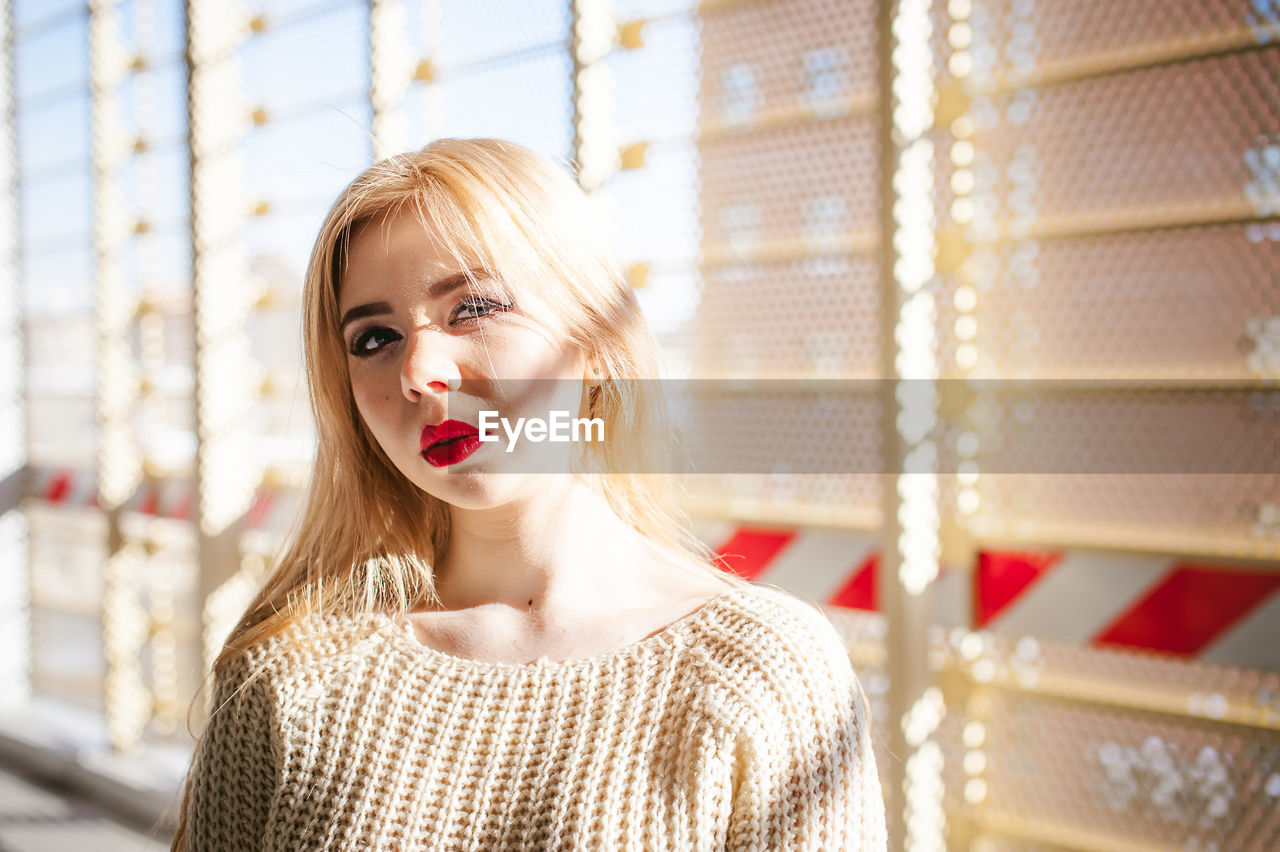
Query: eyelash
x,y
361,340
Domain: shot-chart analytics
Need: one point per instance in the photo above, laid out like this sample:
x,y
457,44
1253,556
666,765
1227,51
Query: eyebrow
x,y
436,290
369,309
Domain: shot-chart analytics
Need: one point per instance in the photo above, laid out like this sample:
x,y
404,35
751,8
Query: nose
x,y
429,366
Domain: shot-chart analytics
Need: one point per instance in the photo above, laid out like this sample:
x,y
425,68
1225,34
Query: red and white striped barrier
x,y
270,510
68,488
825,566
1221,613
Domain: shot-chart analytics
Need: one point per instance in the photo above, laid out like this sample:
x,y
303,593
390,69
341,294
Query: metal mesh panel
x,y
1108,217
653,231
529,98
1223,515
656,86
308,56
474,32
305,76
1073,747
487,69
788,217
630,10
794,180
141,105
1134,775
655,205
1061,303
63,34
798,55
654,199
790,319
758,192
1150,123
1091,206
1018,37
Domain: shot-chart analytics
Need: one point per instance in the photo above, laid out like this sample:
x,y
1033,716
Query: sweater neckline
x,y
661,637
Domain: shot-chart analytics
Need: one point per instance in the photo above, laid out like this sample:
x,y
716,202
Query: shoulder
x,y
775,628
798,751
328,646
767,649
257,694
244,704
265,681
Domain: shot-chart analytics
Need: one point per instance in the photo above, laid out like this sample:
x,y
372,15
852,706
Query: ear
x,y
591,396
593,375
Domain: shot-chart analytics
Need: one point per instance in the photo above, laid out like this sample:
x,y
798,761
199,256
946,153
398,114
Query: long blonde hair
x,y
368,537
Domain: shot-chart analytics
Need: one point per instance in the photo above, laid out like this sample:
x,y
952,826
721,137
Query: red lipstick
x,y
449,442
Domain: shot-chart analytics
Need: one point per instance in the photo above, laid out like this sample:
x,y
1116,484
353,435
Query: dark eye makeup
x,y
468,310
369,341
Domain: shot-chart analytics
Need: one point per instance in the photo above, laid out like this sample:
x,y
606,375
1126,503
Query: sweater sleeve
x,y
235,774
805,776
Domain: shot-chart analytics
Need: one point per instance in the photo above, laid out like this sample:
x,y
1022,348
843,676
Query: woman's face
x,y
427,353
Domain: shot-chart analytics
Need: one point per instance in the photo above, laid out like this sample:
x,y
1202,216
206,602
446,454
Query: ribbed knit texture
x,y
740,726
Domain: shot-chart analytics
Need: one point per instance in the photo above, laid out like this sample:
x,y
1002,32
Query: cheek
x,y
538,356
373,401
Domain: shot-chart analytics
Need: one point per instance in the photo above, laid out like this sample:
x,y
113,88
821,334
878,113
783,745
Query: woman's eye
x,y
475,307
369,342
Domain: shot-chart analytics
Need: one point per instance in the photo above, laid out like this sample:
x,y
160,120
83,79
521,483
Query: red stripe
x,y
1004,576
1190,607
258,510
58,488
749,551
859,591
149,503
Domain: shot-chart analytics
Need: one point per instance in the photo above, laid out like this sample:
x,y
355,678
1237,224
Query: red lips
x,y
449,442
446,431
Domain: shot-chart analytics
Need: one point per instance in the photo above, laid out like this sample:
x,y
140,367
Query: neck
x,y
561,550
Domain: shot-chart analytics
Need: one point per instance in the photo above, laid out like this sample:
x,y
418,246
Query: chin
x,y
479,489
488,480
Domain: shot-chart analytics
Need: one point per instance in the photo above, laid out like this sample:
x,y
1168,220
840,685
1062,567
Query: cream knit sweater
x,y
740,726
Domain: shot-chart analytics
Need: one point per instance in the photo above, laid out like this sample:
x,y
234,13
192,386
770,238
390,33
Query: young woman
x,y
470,648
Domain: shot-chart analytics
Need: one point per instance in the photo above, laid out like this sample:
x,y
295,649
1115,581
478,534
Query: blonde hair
x,y
362,544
